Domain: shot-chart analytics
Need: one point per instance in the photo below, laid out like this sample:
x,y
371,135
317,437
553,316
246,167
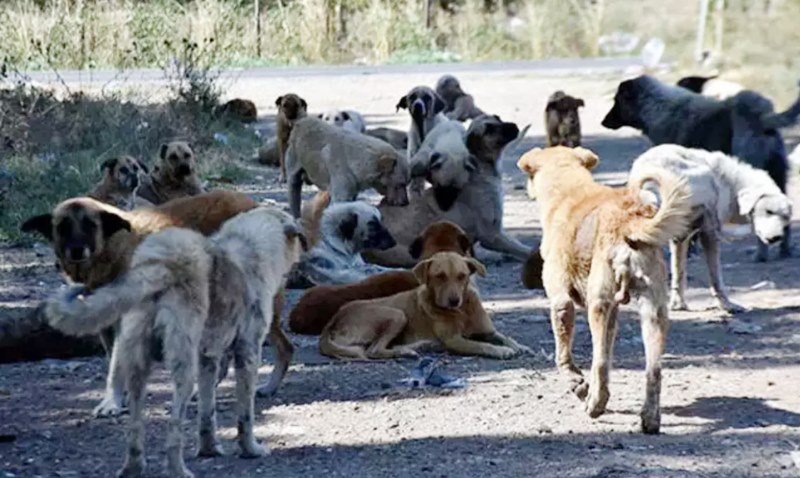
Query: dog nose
x,y
76,253
418,107
184,170
455,302
774,239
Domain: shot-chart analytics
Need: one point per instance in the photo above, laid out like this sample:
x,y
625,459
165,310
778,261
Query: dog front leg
x,y
295,193
678,250
786,242
497,338
463,346
111,405
710,243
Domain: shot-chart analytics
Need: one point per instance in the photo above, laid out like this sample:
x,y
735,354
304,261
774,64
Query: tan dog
x,y
94,243
445,309
562,120
343,163
240,110
319,304
291,108
601,246
122,177
174,175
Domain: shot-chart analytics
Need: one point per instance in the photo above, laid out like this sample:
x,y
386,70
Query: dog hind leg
x,y
247,357
602,311
786,242
207,410
710,243
678,250
111,405
655,325
562,321
284,350
390,324
134,346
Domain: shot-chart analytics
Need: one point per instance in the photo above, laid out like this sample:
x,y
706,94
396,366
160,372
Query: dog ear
x,y
466,245
527,163
435,161
471,163
415,249
588,159
348,227
420,271
386,163
279,101
303,104
476,267
420,167
403,103
438,104
747,199
162,153
112,223
292,231
108,164
43,224
474,142
345,116
579,102
143,166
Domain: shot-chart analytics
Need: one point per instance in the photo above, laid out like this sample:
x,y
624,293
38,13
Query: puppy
x,y
94,242
240,110
174,175
478,208
347,119
711,86
319,304
459,106
398,139
601,247
338,234
200,297
291,108
445,309
120,182
723,190
562,120
343,164
425,108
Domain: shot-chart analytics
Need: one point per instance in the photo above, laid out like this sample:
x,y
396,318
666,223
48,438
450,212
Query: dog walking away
x,y
723,190
601,248
199,297
319,304
444,310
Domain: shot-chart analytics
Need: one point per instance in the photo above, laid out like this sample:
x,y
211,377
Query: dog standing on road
x,y
201,297
601,247
562,120
291,108
425,108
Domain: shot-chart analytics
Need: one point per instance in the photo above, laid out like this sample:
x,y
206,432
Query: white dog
x,y
724,190
347,119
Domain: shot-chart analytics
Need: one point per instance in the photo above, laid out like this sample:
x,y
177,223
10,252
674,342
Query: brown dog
x,y
562,120
174,175
290,109
319,304
445,309
94,243
121,179
601,247
240,110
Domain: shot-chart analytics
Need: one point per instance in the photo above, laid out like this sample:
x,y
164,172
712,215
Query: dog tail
x,y
784,119
672,218
312,216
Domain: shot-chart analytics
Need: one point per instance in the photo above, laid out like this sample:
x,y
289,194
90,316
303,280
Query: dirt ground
x,y
730,398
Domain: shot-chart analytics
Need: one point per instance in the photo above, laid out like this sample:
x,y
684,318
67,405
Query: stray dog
x,y
398,139
445,161
478,209
445,309
425,108
268,154
562,120
337,234
291,108
174,175
711,86
200,297
744,125
240,110
319,304
121,179
93,243
343,164
723,190
347,119
460,106
601,247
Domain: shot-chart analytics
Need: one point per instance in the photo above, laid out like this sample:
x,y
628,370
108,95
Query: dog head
x,y
78,229
442,236
393,177
562,113
488,135
561,157
770,213
695,83
124,173
291,106
448,173
449,89
240,109
446,277
335,117
628,103
357,224
176,162
422,103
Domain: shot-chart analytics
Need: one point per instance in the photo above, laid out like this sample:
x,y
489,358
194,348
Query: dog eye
x,y
462,276
172,157
441,276
123,170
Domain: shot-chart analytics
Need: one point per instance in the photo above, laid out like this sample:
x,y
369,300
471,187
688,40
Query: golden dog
x,y
174,175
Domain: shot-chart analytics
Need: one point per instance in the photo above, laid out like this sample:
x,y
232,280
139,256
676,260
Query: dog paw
x,y
133,468
677,304
580,388
409,353
732,307
596,401
210,450
504,353
651,421
254,450
109,407
266,391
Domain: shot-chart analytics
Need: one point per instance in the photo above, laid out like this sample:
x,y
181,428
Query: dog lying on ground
x,y
343,164
723,189
291,108
562,120
319,304
268,153
744,125
337,234
200,297
444,309
240,110
711,86
478,209
601,247
173,176
425,108
445,161
459,106
94,242
398,139
121,179
347,119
